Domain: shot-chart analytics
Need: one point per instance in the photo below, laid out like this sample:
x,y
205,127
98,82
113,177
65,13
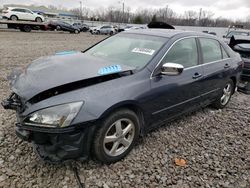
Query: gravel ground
x,y
214,144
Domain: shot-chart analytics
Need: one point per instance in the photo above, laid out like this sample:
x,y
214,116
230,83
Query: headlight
x,y
56,116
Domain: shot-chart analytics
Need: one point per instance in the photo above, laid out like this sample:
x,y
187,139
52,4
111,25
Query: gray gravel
x,y
215,144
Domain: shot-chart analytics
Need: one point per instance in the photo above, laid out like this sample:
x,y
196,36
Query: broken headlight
x,y
55,117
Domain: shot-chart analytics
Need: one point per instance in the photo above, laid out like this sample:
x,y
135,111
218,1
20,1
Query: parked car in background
x,y
107,29
241,45
97,102
128,27
63,26
16,13
231,33
83,27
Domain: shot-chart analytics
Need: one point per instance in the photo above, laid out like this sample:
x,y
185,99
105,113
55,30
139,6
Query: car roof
x,y
168,33
18,8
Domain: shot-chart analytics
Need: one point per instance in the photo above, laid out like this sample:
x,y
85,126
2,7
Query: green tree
x,y
138,20
154,18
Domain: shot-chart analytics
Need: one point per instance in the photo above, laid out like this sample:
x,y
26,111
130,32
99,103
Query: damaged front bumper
x,y
53,145
58,145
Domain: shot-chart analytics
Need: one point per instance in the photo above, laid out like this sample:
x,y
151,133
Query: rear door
x,y
19,13
174,95
216,65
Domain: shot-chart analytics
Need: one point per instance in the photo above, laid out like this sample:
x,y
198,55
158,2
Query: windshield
x,y
128,49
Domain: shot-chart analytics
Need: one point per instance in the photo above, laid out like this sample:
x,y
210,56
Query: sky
x,y
232,9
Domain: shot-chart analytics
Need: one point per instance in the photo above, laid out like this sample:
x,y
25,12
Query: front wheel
x,y
39,20
225,96
116,136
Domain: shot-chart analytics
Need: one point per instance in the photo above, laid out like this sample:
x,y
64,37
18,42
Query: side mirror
x,y
172,69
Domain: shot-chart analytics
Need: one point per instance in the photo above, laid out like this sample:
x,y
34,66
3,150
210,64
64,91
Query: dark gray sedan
x,y
99,101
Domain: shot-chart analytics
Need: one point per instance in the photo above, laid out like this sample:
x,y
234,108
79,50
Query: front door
x,y
174,95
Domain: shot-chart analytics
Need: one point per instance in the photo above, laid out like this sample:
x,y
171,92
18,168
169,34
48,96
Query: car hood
x,y
61,69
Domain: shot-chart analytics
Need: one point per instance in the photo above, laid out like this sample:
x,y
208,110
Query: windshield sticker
x,y
110,69
143,51
66,52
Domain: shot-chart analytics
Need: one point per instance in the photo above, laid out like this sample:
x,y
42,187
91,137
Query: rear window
x,y
211,50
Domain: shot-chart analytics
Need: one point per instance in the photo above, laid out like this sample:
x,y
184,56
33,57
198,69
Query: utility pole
x,y
200,16
81,10
123,10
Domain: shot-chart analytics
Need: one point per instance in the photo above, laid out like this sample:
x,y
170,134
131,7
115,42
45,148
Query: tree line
x,y
143,16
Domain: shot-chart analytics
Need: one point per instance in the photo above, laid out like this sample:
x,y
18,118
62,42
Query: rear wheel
x,y
76,31
116,137
98,32
39,20
14,18
26,28
225,96
58,28
111,33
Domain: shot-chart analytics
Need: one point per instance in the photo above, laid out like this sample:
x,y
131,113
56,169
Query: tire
x,y
120,142
39,20
98,32
58,28
14,18
26,28
111,33
76,31
225,95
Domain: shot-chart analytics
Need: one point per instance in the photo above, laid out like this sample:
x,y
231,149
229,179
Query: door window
x,y
18,10
183,52
211,50
224,53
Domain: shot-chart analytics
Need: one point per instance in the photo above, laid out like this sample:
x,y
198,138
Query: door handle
x,y
197,75
227,66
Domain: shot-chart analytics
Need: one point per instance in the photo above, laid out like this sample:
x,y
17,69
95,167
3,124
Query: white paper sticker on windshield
x,y
143,51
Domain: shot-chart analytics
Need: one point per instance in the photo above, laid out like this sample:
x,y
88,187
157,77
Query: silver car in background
x,y
107,29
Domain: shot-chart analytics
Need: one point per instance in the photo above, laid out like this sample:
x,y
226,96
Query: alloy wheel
x,y
227,92
119,137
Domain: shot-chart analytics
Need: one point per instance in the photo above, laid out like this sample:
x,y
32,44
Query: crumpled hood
x,y
49,72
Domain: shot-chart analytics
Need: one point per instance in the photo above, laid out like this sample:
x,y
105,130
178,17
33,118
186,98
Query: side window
x,y
17,10
183,52
211,50
224,53
28,11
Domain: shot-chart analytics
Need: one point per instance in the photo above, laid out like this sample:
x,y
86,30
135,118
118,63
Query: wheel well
x,y
234,81
14,15
133,107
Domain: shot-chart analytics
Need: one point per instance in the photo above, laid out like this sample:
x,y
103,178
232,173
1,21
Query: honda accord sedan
x,y
73,105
